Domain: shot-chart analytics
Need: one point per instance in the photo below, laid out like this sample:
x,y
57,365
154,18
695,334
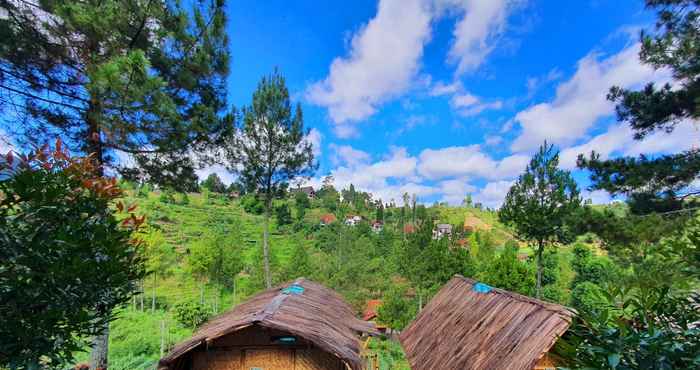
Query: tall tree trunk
x,y
93,145
540,249
266,246
100,349
153,294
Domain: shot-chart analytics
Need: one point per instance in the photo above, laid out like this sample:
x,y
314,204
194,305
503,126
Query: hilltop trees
x,y
114,78
66,258
658,183
270,150
540,202
214,184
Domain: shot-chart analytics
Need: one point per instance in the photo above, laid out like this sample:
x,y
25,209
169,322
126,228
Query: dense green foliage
x,y
67,260
190,314
507,272
144,78
396,310
540,203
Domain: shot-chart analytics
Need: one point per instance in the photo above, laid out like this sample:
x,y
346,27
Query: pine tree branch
x,y
42,99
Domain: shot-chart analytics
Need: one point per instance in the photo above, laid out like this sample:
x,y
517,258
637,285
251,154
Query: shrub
x,y
283,215
66,260
191,314
167,196
252,204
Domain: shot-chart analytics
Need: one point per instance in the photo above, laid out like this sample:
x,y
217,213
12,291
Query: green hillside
x,y
183,228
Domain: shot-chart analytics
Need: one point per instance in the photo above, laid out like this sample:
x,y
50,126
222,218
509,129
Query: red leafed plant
x,y
68,254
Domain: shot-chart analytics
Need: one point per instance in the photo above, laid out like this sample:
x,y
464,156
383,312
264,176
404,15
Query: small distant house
x,y
442,230
371,314
234,194
523,257
353,220
308,190
473,224
296,326
469,325
377,226
327,219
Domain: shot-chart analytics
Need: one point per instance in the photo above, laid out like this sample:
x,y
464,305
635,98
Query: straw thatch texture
x,y
318,315
463,329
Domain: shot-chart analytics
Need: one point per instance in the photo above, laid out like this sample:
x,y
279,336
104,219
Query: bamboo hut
x,y
296,326
469,325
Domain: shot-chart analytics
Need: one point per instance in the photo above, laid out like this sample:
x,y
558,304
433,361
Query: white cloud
x,y
454,161
685,136
463,100
440,88
475,33
510,167
619,139
414,121
468,161
469,105
384,58
581,101
225,176
493,194
386,179
347,155
454,191
399,164
597,196
604,144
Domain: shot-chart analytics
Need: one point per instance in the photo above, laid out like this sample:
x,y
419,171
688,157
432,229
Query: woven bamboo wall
x,y
250,348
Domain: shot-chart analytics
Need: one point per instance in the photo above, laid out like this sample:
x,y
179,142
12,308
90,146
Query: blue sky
x,y
445,98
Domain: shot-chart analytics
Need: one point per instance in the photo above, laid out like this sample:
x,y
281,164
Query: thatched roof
x,y
318,315
467,328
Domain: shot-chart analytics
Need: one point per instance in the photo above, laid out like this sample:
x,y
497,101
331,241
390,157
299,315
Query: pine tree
x,y
270,150
540,202
114,78
658,183
214,184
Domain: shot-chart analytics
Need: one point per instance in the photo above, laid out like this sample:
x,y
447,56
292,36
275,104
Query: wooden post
x,y
162,337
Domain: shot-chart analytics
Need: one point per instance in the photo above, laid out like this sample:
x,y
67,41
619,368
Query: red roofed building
x,y
371,313
408,229
327,219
